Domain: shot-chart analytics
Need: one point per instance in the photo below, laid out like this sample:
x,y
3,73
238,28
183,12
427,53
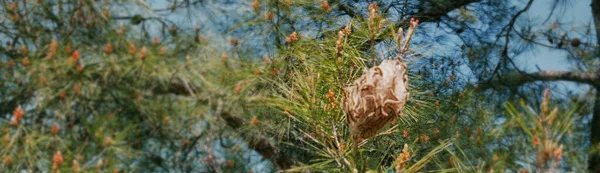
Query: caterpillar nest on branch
x,y
379,95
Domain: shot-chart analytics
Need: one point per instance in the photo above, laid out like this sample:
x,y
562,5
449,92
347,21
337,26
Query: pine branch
x,y
439,9
432,14
517,79
258,143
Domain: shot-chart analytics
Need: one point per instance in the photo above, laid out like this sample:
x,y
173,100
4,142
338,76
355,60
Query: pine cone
x,y
377,98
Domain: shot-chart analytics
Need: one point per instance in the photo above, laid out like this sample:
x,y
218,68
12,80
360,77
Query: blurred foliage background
x,y
256,86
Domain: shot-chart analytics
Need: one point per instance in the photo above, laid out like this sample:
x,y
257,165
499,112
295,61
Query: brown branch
x,y
349,10
258,142
517,79
439,9
177,87
508,28
432,14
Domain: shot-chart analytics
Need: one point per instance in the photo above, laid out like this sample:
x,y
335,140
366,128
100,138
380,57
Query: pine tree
x,y
263,86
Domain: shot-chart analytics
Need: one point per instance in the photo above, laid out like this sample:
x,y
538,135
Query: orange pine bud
x,y
292,37
558,153
435,132
77,90
108,48
257,72
143,53
108,141
23,49
42,80
7,160
287,112
52,49
256,5
402,159
132,49
269,15
10,63
12,7
54,129
325,6
163,50
238,88
17,116
75,166
57,159
330,95
25,62
224,56
424,138
79,67
14,17
234,41
347,30
62,95
74,57
185,142
254,121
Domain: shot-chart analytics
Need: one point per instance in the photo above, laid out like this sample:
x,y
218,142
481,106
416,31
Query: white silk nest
x,y
376,98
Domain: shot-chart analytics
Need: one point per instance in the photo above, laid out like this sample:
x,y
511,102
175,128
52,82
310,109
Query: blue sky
x,y
577,15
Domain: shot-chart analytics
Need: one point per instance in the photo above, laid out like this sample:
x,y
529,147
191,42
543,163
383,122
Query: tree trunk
x,y
596,16
594,157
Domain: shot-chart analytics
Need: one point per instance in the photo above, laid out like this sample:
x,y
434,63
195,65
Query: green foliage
x,y
83,91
